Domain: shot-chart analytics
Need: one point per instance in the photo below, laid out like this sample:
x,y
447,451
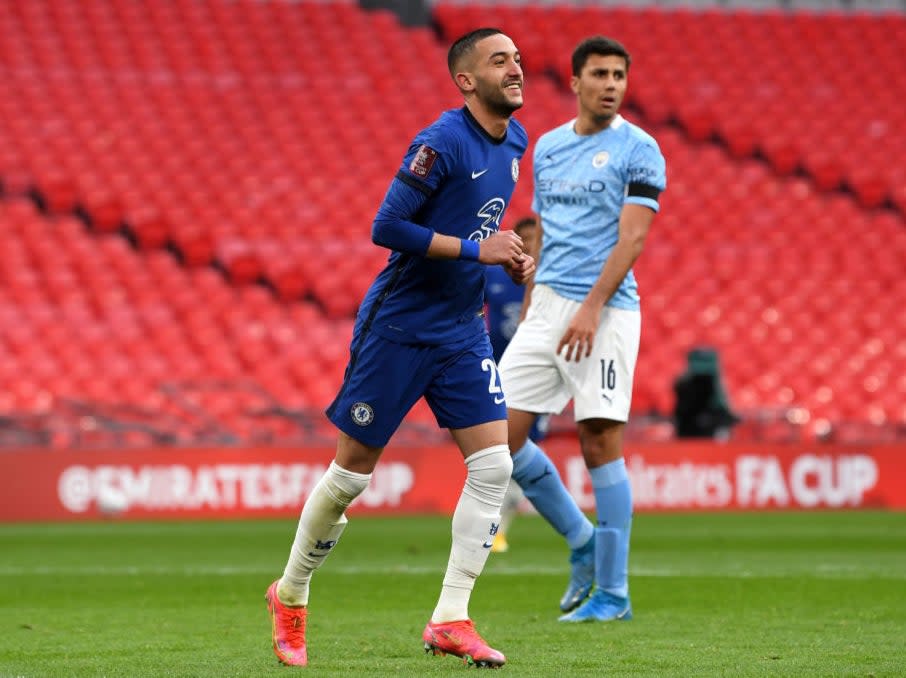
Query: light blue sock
x,y
613,496
541,483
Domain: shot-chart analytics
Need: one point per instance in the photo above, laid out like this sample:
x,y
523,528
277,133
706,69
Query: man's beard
x,y
504,107
496,102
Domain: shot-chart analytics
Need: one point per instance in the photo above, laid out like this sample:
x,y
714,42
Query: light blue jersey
x,y
581,185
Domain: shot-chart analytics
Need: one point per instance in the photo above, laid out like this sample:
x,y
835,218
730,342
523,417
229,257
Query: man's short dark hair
x,y
601,46
466,44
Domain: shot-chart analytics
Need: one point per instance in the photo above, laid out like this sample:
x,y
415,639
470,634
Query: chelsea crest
x,y
361,413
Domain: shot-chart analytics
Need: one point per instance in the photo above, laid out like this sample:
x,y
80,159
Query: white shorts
x,y
535,379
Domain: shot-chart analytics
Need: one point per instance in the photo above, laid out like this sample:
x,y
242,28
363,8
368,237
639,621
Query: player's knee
x,y
502,470
517,442
491,467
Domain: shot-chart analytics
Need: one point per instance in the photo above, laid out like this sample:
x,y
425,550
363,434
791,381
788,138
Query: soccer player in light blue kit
x,y
597,183
420,332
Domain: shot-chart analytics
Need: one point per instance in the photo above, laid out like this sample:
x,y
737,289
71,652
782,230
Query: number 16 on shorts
x,y
608,379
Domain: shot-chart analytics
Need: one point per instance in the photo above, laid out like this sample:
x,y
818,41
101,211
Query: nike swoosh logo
x,y
487,546
499,399
547,472
609,399
475,175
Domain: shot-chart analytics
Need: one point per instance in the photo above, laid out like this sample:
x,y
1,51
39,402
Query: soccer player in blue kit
x,y
597,180
420,332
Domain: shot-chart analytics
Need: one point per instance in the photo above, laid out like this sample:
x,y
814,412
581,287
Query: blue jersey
x,y
504,301
581,185
465,179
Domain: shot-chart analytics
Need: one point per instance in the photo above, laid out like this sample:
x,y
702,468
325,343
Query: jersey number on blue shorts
x,y
488,365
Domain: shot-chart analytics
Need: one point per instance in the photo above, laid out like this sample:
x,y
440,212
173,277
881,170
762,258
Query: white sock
x,y
475,522
320,526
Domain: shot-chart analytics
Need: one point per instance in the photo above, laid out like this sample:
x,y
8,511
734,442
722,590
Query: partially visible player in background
x,y
504,302
597,183
420,332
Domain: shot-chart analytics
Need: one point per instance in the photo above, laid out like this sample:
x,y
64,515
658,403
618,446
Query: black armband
x,y
643,191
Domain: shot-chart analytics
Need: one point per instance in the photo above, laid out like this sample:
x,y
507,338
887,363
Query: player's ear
x,y
465,81
574,84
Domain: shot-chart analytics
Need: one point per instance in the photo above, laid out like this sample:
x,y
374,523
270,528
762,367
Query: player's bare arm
x,y
635,222
503,247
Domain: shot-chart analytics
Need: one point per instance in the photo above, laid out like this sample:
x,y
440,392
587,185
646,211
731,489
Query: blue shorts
x,y
385,379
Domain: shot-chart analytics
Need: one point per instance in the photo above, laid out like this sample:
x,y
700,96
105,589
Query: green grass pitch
x,y
770,594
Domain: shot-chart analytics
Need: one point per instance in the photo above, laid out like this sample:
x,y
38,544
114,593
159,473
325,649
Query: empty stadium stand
x,y
188,188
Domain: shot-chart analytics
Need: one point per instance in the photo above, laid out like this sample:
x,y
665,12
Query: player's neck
x,y
588,124
492,123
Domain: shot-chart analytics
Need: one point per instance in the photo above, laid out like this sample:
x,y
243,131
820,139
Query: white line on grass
x,y
825,571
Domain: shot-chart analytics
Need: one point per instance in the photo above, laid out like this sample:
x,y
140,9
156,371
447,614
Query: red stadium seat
x,y
149,228
239,261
